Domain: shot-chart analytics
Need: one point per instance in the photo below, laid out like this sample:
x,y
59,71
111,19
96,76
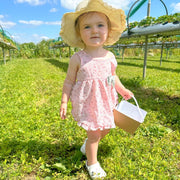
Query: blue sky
x,y
34,20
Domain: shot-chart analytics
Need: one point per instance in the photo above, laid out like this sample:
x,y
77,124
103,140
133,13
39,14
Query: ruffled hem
x,y
87,128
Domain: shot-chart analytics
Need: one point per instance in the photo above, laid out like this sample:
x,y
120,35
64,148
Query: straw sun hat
x,y
116,17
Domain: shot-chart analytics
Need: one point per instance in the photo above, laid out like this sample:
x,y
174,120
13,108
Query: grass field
x,y
36,144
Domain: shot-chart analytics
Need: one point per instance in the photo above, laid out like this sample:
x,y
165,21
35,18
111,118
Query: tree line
x,y
41,49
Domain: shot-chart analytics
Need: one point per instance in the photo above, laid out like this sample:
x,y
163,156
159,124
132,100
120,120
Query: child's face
x,y
93,29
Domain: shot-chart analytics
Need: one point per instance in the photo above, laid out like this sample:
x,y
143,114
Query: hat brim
x,y
116,17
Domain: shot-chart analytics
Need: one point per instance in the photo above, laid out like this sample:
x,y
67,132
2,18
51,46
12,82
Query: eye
x,y
86,27
100,25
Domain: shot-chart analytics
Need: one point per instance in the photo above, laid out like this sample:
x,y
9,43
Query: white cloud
x,y
176,7
37,38
53,23
53,10
31,22
70,4
44,37
7,24
38,23
36,2
26,38
123,4
1,16
32,2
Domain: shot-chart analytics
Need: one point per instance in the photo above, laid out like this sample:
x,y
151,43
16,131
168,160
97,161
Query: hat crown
x,y
82,5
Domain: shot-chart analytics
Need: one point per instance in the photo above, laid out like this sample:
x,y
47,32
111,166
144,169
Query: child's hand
x,y
127,94
63,110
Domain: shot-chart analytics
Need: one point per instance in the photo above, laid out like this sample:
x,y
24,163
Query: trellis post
x,y
145,57
10,54
146,43
167,52
4,55
123,53
162,47
60,53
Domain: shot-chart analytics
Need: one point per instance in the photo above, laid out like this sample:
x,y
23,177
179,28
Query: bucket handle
x,y
138,107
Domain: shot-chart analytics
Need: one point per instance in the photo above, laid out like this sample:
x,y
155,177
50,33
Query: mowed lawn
x,y
36,144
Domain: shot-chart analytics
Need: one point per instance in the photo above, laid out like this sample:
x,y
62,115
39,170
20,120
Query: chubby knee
x,y
94,136
104,133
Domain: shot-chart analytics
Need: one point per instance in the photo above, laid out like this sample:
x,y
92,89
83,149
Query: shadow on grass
x,y
148,67
58,63
51,153
152,99
149,59
64,65
2,61
69,157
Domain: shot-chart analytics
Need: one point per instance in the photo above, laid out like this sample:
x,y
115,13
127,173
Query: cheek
x,y
105,30
105,33
84,34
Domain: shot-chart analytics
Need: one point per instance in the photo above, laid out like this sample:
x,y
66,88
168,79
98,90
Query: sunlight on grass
x,y
35,143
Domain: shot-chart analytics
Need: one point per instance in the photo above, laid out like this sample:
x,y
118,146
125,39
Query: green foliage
x,y
26,50
42,49
168,18
6,39
133,24
147,21
152,20
30,50
36,144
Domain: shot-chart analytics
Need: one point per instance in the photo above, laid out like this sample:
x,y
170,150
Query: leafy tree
x,y
26,50
43,49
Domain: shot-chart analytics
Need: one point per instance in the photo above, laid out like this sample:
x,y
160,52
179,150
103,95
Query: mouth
x,y
94,37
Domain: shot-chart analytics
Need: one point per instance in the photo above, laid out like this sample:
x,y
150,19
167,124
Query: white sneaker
x,y
83,147
96,171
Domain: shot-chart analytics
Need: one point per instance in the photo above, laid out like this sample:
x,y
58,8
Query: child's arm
x,y
125,93
74,65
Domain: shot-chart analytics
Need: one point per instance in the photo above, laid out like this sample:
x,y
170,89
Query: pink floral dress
x,y
93,97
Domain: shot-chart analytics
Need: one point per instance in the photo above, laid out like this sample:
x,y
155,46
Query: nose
x,y
94,29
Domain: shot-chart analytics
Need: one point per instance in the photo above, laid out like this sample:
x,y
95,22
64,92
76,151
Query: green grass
x,y
36,144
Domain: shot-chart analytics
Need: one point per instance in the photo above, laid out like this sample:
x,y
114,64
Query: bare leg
x,y
104,133
92,145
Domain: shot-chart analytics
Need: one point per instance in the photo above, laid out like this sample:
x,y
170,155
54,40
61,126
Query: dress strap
x,y
84,58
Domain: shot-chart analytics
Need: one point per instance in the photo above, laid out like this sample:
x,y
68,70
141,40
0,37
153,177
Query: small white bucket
x,y
128,117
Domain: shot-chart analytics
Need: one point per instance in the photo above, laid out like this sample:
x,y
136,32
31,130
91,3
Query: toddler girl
x,y
91,81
